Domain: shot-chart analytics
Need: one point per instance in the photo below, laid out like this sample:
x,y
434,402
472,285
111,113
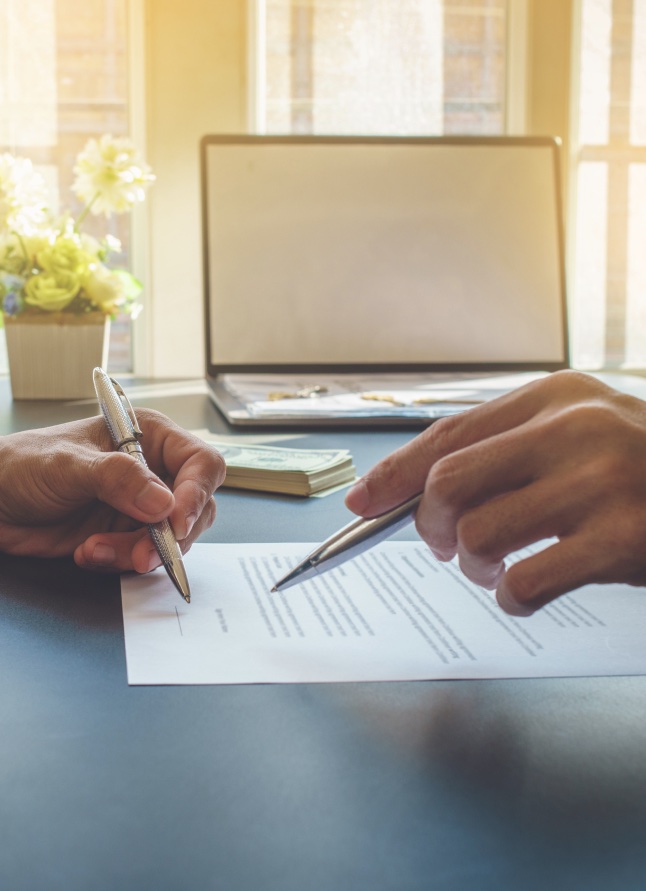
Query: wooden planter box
x,y
52,357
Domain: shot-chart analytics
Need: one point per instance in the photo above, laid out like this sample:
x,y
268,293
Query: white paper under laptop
x,y
378,279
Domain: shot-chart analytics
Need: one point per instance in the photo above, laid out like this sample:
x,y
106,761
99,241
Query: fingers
x,y
540,480
195,471
196,468
562,458
113,552
194,486
468,478
404,472
391,482
144,554
126,551
538,580
124,483
490,532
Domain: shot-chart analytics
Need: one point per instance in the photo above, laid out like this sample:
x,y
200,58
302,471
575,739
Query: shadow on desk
x,y
51,593
558,760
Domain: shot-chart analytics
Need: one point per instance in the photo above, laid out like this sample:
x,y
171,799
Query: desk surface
x,y
441,785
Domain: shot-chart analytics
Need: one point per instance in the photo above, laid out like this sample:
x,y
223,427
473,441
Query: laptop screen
x,y
342,254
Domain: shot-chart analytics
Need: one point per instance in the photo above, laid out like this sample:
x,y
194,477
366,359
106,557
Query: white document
x,y
419,395
392,614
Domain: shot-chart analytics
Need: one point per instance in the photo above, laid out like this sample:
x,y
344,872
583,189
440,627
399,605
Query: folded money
x,y
288,471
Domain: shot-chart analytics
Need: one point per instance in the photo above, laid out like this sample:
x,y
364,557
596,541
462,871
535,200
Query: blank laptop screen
x,y
369,253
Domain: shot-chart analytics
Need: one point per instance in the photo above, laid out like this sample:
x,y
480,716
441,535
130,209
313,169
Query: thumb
x,y
127,485
393,480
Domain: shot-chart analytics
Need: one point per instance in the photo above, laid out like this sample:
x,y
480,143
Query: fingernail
x,y
182,531
154,560
104,555
358,498
510,606
153,498
190,522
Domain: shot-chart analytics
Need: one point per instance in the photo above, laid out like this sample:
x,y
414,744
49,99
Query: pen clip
x,y
129,409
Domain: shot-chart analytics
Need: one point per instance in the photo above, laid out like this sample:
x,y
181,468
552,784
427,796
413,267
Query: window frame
x,y
516,67
608,153
141,261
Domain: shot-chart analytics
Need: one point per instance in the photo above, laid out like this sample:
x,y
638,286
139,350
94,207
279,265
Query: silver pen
x,y
353,539
126,434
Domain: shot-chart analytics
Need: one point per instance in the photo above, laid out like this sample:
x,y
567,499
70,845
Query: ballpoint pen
x,y
126,434
355,538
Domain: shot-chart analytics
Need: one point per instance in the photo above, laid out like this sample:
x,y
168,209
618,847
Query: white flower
x,y
111,176
112,244
104,288
23,195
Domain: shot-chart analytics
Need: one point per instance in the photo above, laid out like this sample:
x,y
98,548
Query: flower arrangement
x,y
47,264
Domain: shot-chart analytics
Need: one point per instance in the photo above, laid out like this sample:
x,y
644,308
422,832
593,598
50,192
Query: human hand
x,y
65,490
562,457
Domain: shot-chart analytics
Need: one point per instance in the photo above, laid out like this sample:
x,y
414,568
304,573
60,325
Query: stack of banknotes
x,y
286,470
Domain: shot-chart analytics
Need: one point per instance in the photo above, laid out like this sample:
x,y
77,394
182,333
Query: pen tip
x,y
274,589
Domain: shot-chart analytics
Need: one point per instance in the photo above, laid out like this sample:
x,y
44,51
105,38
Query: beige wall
x,y
196,62
195,84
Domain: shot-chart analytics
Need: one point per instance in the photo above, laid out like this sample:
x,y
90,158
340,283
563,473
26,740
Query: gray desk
x,y
459,785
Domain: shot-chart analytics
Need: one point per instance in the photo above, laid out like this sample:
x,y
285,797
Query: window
x,y
64,79
422,67
608,281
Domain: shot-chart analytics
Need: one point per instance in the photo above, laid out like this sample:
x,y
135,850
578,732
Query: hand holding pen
x,y
560,462
124,429
66,492
358,536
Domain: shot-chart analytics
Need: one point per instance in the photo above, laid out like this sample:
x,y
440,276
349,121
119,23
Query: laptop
x,y
378,280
